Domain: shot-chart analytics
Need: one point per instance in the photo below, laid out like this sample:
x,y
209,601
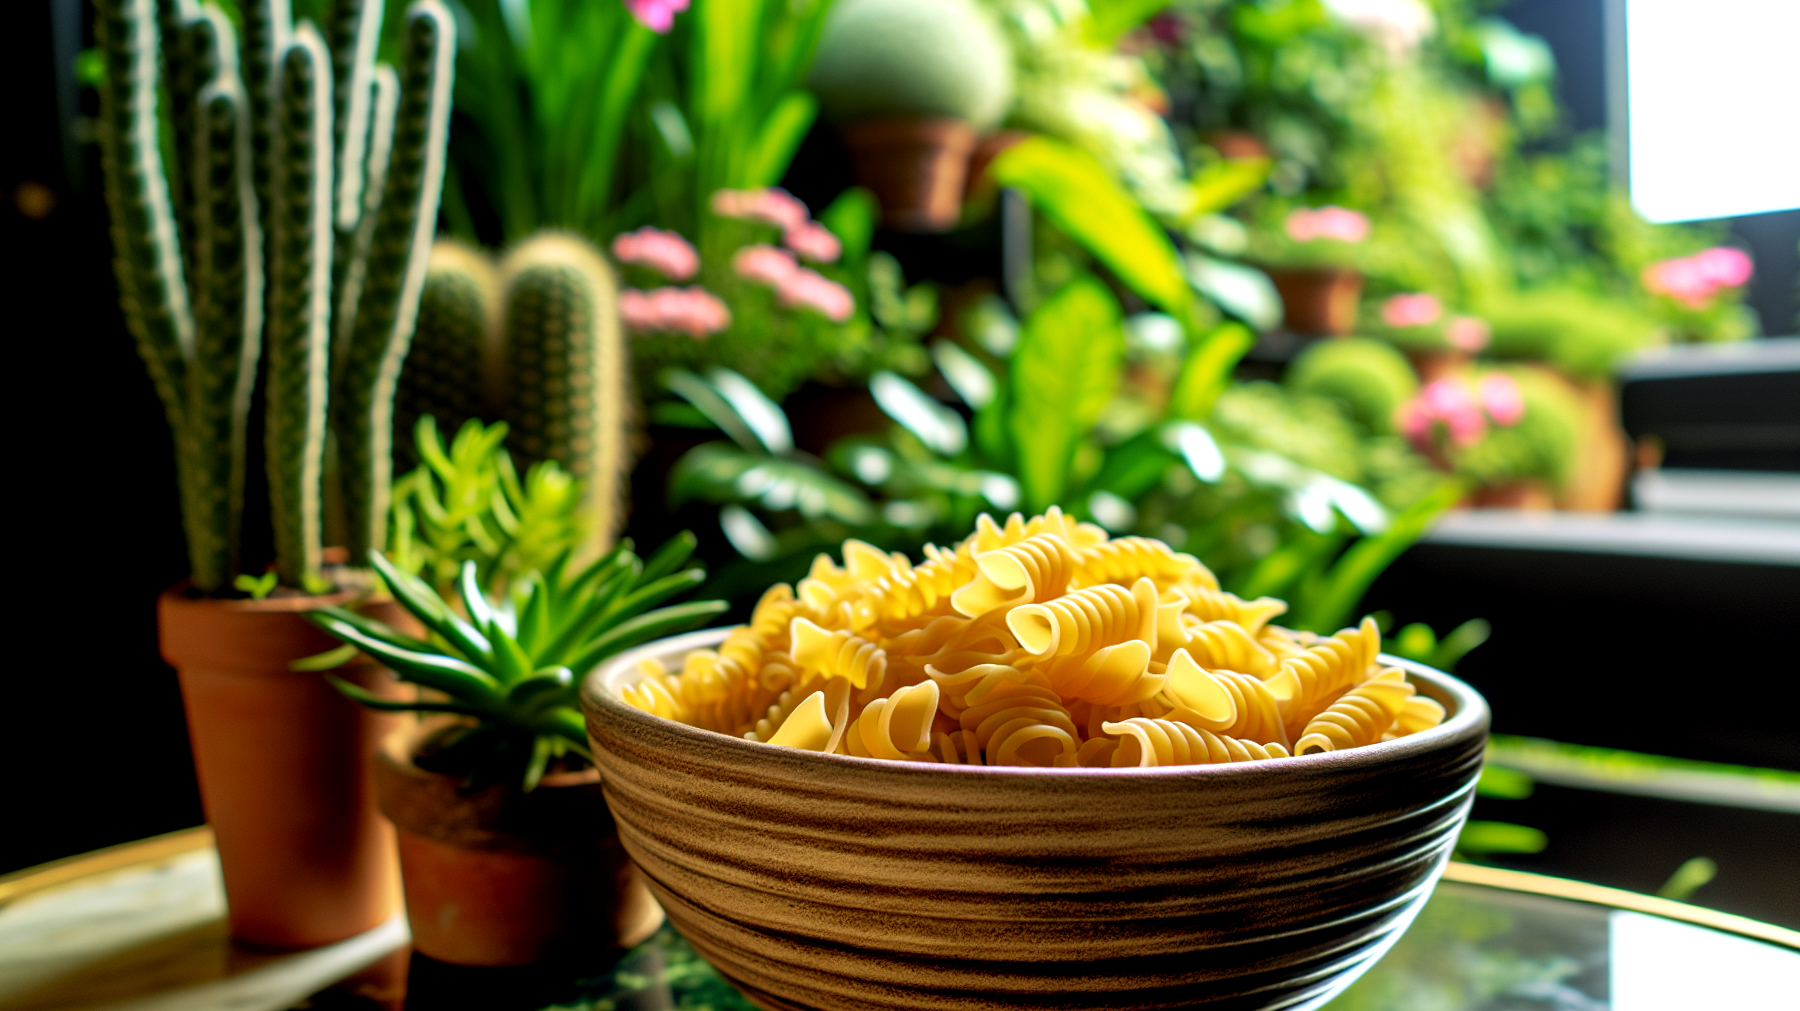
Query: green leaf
x,y
669,557
1072,189
377,630
1225,182
716,408
720,473
1500,837
331,659
851,217
373,701
459,680
1689,878
257,587
1502,783
763,415
1330,605
645,627
1109,19
1207,371
1459,642
1066,368
424,604
780,137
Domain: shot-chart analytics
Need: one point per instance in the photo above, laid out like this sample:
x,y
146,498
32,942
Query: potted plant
x,y
507,851
1515,432
911,84
1437,342
1312,259
345,219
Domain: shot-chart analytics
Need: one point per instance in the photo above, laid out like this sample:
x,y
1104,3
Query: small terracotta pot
x,y
1530,495
915,165
1433,364
1236,144
284,763
1318,300
496,876
1602,460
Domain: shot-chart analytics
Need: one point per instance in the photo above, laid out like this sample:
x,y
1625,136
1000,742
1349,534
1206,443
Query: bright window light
x,y
1714,107
1661,965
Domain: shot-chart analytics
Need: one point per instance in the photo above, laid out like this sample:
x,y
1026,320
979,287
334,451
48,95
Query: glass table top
x,y
141,928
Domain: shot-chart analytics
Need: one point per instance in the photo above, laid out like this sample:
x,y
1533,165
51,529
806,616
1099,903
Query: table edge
x,y
29,880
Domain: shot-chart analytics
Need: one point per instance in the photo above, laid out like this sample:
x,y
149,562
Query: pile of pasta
x,y
1040,642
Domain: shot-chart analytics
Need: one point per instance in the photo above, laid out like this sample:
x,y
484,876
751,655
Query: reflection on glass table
x,y
141,928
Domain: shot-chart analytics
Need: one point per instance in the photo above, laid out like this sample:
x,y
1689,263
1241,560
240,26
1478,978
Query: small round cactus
x,y
939,58
1368,377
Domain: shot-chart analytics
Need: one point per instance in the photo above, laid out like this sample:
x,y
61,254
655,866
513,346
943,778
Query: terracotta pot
x,y
989,148
496,876
915,165
284,762
827,882
1236,144
1597,484
1433,364
1318,300
1531,495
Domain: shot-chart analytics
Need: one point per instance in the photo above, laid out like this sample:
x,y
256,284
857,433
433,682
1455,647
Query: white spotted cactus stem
x,y
296,218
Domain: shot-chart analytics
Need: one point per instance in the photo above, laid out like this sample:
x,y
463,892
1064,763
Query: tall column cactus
x,y
565,367
321,170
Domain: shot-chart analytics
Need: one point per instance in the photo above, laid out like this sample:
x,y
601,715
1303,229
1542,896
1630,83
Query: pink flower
x,y
771,206
693,311
814,242
1501,397
664,252
808,289
764,264
656,15
1466,333
1451,402
1411,310
1726,267
1328,222
1693,280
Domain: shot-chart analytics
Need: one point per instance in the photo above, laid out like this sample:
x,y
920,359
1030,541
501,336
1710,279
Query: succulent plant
x,y
465,502
294,216
912,57
512,669
555,369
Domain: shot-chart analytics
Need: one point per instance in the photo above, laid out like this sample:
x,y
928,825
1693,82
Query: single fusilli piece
x,y
1360,716
1144,742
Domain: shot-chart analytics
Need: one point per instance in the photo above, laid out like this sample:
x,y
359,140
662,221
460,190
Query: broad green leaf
x,y
717,409
1066,368
759,412
645,627
1072,189
941,429
1207,371
1329,606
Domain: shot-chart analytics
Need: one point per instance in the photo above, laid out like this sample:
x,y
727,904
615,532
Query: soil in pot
x,y
1318,300
285,766
496,876
915,166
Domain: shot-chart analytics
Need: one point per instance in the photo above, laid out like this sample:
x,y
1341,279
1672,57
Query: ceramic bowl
x,y
826,882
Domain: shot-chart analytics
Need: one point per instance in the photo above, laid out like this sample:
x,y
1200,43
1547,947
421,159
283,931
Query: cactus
x,y
913,58
551,361
327,173
452,348
566,391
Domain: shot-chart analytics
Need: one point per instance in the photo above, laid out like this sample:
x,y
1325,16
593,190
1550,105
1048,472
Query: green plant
x,y
257,184
508,667
1368,378
1581,334
912,57
465,503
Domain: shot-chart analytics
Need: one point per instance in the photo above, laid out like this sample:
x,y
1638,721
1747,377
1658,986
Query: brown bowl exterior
x,y
827,882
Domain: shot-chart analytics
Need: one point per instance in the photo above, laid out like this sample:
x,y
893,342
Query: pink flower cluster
x,y
1466,333
795,286
656,15
1463,409
664,252
1411,310
1328,222
1693,280
693,311
775,206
